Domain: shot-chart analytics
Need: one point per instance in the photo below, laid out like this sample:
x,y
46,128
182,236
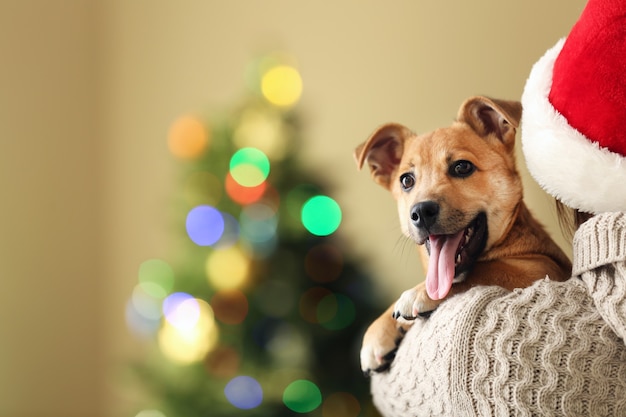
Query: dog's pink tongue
x,y
441,264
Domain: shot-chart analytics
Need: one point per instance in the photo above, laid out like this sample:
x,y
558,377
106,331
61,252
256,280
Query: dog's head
x,y
456,187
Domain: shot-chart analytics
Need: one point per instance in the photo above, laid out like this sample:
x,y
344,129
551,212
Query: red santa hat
x,y
574,119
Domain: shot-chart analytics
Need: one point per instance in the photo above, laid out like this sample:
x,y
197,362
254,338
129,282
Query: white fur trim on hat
x,y
564,162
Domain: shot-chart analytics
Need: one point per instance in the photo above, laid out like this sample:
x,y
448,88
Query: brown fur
x,y
517,252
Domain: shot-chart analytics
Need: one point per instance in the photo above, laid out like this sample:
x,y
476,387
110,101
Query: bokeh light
x,y
205,225
289,345
249,167
335,311
181,310
187,138
140,325
154,290
282,85
309,302
145,303
229,306
243,195
302,396
341,404
244,392
258,67
258,223
323,263
156,277
202,188
321,215
223,362
227,268
264,130
185,345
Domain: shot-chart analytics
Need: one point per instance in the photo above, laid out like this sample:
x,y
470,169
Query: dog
x,y
459,196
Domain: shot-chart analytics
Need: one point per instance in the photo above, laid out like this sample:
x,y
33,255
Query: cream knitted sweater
x,y
554,349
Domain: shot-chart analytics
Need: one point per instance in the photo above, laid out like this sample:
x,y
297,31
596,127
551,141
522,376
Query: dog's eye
x,y
407,181
462,169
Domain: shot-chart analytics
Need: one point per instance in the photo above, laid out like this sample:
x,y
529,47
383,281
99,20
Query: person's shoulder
x,y
599,241
603,221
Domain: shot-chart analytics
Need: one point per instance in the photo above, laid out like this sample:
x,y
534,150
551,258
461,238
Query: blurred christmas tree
x,y
263,311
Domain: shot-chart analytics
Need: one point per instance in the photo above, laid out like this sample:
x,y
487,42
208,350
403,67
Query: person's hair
x,y
570,219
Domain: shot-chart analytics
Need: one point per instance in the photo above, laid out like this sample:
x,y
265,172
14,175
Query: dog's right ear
x,y
383,152
491,116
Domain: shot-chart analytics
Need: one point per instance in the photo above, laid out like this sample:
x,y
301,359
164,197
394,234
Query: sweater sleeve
x,y
600,260
544,350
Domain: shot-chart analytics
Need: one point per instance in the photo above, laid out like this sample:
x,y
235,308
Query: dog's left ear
x,y
383,152
490,116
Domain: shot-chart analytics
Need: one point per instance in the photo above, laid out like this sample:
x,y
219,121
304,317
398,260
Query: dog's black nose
x,y
424,214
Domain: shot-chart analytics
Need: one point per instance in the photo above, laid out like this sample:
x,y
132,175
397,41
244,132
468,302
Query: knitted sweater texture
x,y
553,349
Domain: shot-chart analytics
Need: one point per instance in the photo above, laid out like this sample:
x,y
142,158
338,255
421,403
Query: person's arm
x,y
555,348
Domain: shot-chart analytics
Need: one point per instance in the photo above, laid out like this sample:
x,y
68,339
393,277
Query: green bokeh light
x,y
249,167
156,277
336,311
302,396
321,215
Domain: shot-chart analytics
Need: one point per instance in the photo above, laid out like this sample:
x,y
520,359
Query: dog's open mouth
x,y
453,255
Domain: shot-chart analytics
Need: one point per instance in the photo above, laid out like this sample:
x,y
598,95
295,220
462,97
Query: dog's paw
x,y
380,343
414,303
374,360
377,354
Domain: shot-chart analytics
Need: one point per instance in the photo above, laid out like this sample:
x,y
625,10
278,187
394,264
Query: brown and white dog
x,y
459,195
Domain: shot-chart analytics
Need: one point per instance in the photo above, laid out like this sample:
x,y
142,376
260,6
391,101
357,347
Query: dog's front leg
x,y
381,341
414,302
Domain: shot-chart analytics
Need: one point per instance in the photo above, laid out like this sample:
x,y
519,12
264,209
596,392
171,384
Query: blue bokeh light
x,y
244,392
205,225
258,223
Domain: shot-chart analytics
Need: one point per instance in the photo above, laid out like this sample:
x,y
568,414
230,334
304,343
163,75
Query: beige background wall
x,y
88,90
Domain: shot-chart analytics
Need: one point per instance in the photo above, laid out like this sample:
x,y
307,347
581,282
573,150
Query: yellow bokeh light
x,y
190,344
228,268
187,138
282,86
248,175
184,315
